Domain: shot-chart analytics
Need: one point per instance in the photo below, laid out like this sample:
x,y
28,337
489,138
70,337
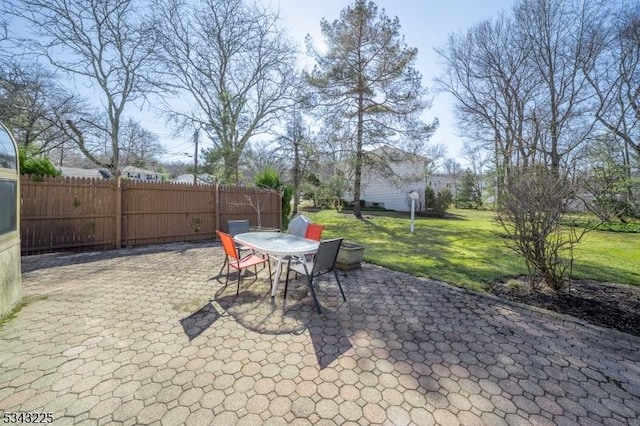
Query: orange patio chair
x,y
234,260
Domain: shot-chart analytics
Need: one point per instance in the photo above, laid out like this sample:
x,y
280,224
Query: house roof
x,y
132,169
84,173
202,178
102,173
396,154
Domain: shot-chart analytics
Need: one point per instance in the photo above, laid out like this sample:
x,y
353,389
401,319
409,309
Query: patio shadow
x,y
255,310
199,321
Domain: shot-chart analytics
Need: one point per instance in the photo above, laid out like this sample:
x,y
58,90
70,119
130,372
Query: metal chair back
x,y
238,226
325,259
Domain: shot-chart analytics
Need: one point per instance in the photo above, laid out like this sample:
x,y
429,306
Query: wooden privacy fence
x,y
80,213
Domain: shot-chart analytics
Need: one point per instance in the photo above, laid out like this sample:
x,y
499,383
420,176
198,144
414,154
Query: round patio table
x,y
278,245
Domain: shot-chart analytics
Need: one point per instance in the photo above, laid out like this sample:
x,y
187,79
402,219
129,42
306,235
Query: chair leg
x,y
313,293
310,282
239,278
269,266
223,265
339,286
226,281
286,281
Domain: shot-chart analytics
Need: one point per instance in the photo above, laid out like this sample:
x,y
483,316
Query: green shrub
x,y
35,165
437,204
469,194
270,178
287,195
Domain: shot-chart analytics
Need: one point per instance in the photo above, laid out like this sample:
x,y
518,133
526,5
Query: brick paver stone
x,y
148,336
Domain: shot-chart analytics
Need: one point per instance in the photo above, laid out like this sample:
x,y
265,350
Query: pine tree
x,y
366,80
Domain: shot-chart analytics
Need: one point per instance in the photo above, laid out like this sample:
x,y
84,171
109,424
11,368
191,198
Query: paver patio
x,y
136,336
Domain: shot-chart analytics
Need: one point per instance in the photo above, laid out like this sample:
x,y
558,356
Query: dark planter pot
x,y
349,256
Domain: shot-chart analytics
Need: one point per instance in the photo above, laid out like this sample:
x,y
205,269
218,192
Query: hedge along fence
x,y
80,213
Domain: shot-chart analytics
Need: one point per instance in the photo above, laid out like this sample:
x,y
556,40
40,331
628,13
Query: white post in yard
x,y
414,197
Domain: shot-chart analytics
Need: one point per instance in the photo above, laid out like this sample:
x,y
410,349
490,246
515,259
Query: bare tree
x,y
235,65
615,77
452,167
139,146
478,159
296,145
261,155
560,35
4,31
29,97
105,43
437,155
519,82
476,156
487,73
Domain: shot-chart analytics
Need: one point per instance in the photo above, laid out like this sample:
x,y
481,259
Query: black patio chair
x,y
323,262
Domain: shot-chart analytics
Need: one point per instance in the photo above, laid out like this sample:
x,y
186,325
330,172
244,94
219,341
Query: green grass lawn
x,y
466,250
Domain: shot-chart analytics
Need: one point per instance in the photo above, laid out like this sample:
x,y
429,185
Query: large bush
x,y
469,193
437,204
35,165
287,195
531,213
269,178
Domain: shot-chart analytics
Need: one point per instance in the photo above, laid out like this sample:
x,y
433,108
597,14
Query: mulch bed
x,y
604,304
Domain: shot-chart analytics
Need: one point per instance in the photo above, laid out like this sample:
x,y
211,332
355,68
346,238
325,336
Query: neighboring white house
x,y
391,191
201,179
128,172
77,172
142,175
440,182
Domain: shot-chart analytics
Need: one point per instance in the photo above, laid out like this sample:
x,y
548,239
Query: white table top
x,y
277,243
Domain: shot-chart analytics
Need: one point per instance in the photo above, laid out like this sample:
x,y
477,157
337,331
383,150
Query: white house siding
x,y
390,196
440,182
142,175
380,189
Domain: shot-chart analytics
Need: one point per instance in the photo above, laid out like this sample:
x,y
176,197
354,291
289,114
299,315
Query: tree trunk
x,y
296,177
358,166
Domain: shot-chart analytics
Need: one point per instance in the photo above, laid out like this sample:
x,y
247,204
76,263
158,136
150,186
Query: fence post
x,y
279,222
118,213
217,208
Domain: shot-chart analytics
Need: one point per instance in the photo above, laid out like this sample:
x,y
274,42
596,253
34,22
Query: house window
x,y
7,152
8,195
